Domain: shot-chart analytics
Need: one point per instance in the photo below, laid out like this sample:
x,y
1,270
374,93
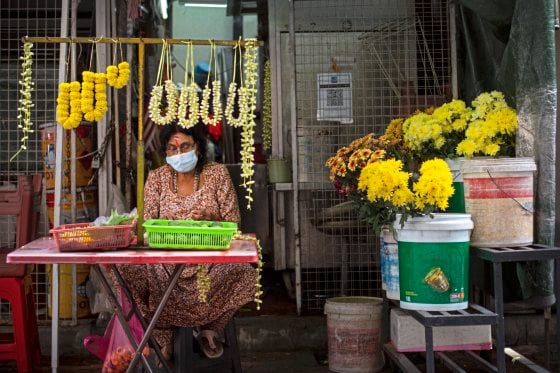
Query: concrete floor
x,y
285,343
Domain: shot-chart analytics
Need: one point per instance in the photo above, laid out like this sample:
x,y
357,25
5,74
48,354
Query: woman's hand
x,y
202,215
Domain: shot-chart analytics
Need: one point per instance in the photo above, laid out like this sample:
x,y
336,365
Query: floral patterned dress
x,y
231,285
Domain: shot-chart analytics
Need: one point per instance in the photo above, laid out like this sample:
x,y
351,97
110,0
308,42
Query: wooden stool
x,y
187,361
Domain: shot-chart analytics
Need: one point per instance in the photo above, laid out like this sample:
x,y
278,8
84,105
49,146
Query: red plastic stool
x,y
23,346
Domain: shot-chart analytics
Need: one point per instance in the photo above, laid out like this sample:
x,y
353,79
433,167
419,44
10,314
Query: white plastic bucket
x,y
354,334
434,262
499,196
389,264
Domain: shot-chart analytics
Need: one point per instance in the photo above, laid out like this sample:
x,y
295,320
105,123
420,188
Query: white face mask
x,y
183,162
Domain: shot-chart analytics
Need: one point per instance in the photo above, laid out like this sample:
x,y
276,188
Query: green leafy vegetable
x,y
118,219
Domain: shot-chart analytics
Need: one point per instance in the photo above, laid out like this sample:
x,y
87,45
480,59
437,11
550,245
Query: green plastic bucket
x,y
457,200
279,170
434,262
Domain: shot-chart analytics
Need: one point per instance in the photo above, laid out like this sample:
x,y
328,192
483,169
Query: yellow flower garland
x,y
94,87
63,103
117,76
75,118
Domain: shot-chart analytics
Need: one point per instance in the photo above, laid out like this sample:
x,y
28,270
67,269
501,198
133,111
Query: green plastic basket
x,y
189,234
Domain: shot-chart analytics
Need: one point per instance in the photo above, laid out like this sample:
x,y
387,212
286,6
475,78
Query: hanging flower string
x,y
117,76
63,103
216,93
187,111
202,282
155,105
247,116
233,93
25,101
75,117
258,286
267,108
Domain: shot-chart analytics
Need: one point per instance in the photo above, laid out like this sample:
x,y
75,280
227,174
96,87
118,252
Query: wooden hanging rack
x,y
141,42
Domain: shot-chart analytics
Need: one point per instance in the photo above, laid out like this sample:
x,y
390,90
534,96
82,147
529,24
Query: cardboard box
x,y
407,335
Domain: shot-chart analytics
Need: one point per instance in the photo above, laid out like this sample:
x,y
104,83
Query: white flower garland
x,y
188,104
216,91
154,107
216,104
247,117
25,101
267,108
187,112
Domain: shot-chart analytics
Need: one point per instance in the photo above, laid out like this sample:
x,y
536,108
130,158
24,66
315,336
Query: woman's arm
x,y
152,193
226,196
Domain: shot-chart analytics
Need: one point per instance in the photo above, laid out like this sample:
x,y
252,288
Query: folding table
x,y
45,251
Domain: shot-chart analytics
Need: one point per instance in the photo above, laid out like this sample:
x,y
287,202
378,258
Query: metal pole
x,y
128,145
116,104
102,40
58,189
140,170
453,38
293,119
73,27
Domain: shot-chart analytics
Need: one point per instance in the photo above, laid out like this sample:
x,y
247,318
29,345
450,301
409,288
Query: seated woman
x,y
188,187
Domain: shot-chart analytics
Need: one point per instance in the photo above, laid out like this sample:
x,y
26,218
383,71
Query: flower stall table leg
x,y
150,327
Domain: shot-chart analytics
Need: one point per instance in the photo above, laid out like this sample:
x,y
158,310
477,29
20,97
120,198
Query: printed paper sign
x,y
334,98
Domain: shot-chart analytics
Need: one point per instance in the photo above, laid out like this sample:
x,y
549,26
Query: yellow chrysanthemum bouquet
x,y
454,129
491,129
436,132
380,177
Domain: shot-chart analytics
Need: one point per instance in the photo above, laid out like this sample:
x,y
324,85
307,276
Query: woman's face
x,y
179,143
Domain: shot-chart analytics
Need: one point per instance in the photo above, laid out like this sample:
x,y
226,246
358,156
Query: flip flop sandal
x,y
210,343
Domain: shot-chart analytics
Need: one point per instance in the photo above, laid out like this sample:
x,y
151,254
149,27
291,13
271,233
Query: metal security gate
x,y
394,56
18,19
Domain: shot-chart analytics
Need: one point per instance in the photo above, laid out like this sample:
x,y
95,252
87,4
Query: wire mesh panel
x,y
18,19
359,64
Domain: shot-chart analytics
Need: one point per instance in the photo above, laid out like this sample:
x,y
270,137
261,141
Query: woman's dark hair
x,y
198,133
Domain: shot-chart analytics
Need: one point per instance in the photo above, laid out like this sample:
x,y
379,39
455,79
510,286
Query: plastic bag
x,y
113,347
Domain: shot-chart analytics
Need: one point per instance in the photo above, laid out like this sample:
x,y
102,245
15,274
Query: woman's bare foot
x,y
210,343
166,351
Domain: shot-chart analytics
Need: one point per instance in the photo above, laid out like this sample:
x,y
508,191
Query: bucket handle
x,y
507,194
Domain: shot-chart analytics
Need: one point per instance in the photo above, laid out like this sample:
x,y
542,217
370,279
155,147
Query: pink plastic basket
x,y
87,237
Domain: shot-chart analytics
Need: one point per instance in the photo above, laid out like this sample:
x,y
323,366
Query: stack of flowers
x,y
404,171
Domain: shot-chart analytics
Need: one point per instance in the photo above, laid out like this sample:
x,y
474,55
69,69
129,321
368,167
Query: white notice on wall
x,y
334,97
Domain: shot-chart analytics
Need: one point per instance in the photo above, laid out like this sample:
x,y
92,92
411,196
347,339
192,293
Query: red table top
x,y
44,251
